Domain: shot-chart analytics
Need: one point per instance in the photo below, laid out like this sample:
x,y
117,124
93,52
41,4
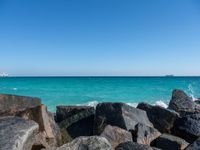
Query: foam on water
x,y
191,92
161,103
95,103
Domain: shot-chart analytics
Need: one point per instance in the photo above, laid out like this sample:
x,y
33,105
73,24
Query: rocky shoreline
x,y
25,124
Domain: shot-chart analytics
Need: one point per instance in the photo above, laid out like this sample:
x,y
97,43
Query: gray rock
x,y
17,133
75,121
194,146
188,127
116,135
87,143
118,114
10,104
182,103
134,146
143,134
170,142
162,119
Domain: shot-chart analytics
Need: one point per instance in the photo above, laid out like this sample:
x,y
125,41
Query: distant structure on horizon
x,y
3,74
170,75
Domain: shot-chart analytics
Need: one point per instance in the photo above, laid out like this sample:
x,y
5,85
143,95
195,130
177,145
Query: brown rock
x,y
116,135
49,133
11,104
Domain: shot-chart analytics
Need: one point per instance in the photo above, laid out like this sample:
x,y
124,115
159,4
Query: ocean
x,y
90,90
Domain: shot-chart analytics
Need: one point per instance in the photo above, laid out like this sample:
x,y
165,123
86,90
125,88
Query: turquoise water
x,y
90,90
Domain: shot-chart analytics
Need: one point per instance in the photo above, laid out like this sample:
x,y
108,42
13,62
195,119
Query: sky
x,y
99,37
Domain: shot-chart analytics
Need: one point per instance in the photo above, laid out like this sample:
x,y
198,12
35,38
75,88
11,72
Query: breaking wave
x,y
95,103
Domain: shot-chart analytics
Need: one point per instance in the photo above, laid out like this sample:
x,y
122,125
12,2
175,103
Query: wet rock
x,y
170,142
75,121
182,103
10,104
188,127
116,135
87,143
134,146
162,118
118,114
194,146
143,134
17,133
49,132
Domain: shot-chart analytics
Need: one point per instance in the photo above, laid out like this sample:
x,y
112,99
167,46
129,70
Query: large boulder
x,y
188,127
49,132
143,134
182,103
133,146
116,135
118,114
87,143
75,121
170,142
17,133
162,118
194,146
10,104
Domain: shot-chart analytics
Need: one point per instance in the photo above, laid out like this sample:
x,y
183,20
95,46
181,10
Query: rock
x,y
182,103
116,135
49,133
9,104
162,118
133,146
143,134
87,143
75,121
170,142
17,133
118,114
197,101
194,146
188,127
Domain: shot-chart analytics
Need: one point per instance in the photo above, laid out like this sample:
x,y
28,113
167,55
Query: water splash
x,y
191,92
161,103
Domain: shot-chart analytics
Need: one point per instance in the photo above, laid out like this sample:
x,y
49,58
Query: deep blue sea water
x,y
90,90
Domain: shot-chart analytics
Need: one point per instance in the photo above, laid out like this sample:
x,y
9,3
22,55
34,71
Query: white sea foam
x,y
14,89
95,103
161,103
191,92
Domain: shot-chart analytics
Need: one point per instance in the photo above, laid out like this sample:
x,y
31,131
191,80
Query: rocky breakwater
x,y
27,108
109,126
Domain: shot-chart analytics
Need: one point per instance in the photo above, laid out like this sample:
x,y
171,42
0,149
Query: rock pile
x,y
25,124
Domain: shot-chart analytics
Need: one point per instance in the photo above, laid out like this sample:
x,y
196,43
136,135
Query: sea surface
x,y
90,90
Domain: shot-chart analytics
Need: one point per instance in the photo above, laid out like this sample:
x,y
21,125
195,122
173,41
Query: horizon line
x,y
166,76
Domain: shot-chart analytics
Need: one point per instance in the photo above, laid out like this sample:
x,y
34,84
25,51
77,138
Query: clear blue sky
x,y
100,37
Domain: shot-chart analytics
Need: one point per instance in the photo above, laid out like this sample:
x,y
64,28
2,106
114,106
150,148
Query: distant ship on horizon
x,y
169,75
3,74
